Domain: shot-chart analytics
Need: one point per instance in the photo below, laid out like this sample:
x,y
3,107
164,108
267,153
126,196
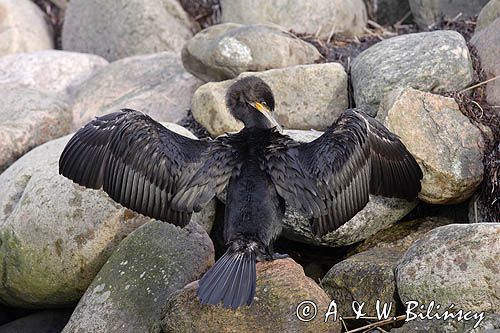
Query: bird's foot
x,y
272,256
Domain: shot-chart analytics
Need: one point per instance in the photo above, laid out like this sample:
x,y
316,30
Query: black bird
x,y
166,176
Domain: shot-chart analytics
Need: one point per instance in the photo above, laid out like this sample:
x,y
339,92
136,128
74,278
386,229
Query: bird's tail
x,y
232,278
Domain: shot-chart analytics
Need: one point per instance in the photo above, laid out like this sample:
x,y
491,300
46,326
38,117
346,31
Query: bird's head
x,y
251,101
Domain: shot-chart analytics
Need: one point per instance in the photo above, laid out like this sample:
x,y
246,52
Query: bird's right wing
x,y
146,167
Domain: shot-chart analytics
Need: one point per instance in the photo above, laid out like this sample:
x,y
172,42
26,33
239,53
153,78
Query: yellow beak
x,y
268,114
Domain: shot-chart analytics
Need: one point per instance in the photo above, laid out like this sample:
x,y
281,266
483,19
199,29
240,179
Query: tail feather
x,y
231,280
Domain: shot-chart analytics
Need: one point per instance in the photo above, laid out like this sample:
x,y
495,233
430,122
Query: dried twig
x,y
480,84
378,324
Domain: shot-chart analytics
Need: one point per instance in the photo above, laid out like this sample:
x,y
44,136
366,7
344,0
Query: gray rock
x,y
429,12
55,235
23,28
488,14
487,43
378,214
365,277
155,84
149,265
29,118
320,17
124,28
223,51
48,321
387,11
489,324
400,236
51,72
435,61
281,286
447,146
454,264
307,96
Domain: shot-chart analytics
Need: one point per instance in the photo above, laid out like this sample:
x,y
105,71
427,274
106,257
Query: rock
x,y
489,324
307,96
379,213
387,11
487,43
51,72
150,264
29,118
224,51
400,236
48,321
155,84
488,14
454,264
281,286
61,4
124,28
23,28
447,146
318,18
54,239
427,13
365,277
437,61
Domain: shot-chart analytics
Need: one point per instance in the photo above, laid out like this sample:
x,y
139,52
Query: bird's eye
x,y
263,103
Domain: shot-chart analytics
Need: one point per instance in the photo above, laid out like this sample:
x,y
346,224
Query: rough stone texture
x,y
487,43
150,264
455,264
490,324
281,286
447,146
379,213
400,236
54,234
365,277
48,321
52,72
307,96
223,51
437,61
315,17
29,118
155,84
123,28
387,11
426,13
488,14
23,28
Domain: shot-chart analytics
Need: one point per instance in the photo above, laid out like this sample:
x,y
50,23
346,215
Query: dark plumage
x,y
161,174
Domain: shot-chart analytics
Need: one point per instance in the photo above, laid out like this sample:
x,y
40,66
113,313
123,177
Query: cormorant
x,y
166,176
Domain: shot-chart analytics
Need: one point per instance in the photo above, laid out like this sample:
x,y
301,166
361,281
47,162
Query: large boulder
x,y
427,13
366,277
321,17
123,28
29,118
307,96
488,14
155,84
149,265
281,287
224,51
447,146
437,61
51,72
487,43
23,28
455,264
54,234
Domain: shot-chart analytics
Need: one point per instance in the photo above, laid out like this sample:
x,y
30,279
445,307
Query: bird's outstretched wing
x,y
146,167
330,178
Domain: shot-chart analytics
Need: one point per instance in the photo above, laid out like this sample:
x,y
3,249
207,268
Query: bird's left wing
x,y
330,178
146,167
